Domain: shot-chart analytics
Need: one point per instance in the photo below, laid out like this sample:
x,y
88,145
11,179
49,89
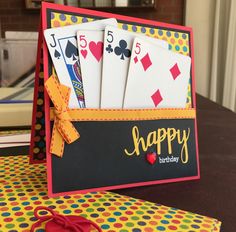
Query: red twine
x,y
55,220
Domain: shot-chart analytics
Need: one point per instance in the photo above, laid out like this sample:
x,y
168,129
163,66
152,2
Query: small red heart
x,y
84,53
151,157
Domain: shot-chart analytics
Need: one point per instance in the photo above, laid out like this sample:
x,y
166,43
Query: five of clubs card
x,y
107,67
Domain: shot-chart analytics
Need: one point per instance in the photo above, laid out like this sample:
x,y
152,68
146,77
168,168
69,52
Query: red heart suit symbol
x,y
96,49
151,157
84,53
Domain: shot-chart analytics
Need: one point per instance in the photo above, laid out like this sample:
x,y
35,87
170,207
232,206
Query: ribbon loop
x,y
63,129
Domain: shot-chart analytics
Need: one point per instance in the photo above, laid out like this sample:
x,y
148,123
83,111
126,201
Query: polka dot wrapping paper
x,y
23,188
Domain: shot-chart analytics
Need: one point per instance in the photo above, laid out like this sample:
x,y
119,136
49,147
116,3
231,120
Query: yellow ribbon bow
x,y
63,129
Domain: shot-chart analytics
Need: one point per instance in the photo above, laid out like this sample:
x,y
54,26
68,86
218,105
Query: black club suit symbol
x,y
109,49
122,50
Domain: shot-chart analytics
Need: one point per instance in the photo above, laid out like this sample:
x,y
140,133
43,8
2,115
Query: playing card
x,y
90,45
117,52
62,45
157,78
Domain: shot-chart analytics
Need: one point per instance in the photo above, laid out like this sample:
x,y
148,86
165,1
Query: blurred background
x,y
213,22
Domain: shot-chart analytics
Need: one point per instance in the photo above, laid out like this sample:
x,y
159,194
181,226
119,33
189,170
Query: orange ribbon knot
x,y
63,129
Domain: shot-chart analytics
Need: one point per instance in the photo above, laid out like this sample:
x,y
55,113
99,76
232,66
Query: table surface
x,y
24,186
215,193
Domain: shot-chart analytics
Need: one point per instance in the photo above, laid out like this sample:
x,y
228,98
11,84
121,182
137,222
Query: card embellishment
x,y
157,139
151,157
63,129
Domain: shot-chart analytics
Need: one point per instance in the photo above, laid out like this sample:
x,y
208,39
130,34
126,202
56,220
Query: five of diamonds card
x,y
107,67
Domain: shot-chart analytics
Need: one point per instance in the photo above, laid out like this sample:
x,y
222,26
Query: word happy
x,y
158,138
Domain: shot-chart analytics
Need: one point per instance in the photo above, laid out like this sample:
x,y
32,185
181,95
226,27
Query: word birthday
x,y
168,159
158,138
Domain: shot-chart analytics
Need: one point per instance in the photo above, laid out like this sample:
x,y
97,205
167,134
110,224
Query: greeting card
x,y
146,135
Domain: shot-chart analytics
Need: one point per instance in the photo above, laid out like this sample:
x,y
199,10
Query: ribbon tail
x,y
67,131
63,129
57,142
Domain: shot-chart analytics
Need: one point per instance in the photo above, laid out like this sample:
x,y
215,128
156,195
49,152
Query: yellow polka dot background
x,y
24,187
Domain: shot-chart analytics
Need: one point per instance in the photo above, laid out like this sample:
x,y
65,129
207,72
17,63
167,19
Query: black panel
x,y
97,159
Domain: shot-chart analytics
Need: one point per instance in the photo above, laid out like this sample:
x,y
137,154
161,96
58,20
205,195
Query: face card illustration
x,y
117,51
157,78
62,46
90,45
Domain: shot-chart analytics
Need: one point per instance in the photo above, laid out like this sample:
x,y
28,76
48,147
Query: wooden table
x,y
215,193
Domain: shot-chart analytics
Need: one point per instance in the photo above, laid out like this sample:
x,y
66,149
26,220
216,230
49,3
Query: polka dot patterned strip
x,y
39,144
23,188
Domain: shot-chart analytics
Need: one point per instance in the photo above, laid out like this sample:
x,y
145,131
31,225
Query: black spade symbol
x,y
71,51
57,54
